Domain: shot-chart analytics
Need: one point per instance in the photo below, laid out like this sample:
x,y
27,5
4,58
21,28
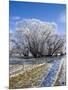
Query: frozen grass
x,y
17,69
61,80
29,78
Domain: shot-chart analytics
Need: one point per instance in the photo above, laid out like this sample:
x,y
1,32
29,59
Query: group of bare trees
x,y
36,38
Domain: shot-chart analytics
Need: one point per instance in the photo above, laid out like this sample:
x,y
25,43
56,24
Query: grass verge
x,y
29,78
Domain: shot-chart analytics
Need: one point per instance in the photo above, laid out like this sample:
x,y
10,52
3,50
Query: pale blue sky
x,y
43,11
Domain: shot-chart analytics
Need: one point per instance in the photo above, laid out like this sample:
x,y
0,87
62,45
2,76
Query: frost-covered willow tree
x,y
12,45
36,33
37,37
19,43
55,44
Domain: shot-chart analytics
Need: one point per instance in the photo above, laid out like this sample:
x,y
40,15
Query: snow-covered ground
x,y
17,66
